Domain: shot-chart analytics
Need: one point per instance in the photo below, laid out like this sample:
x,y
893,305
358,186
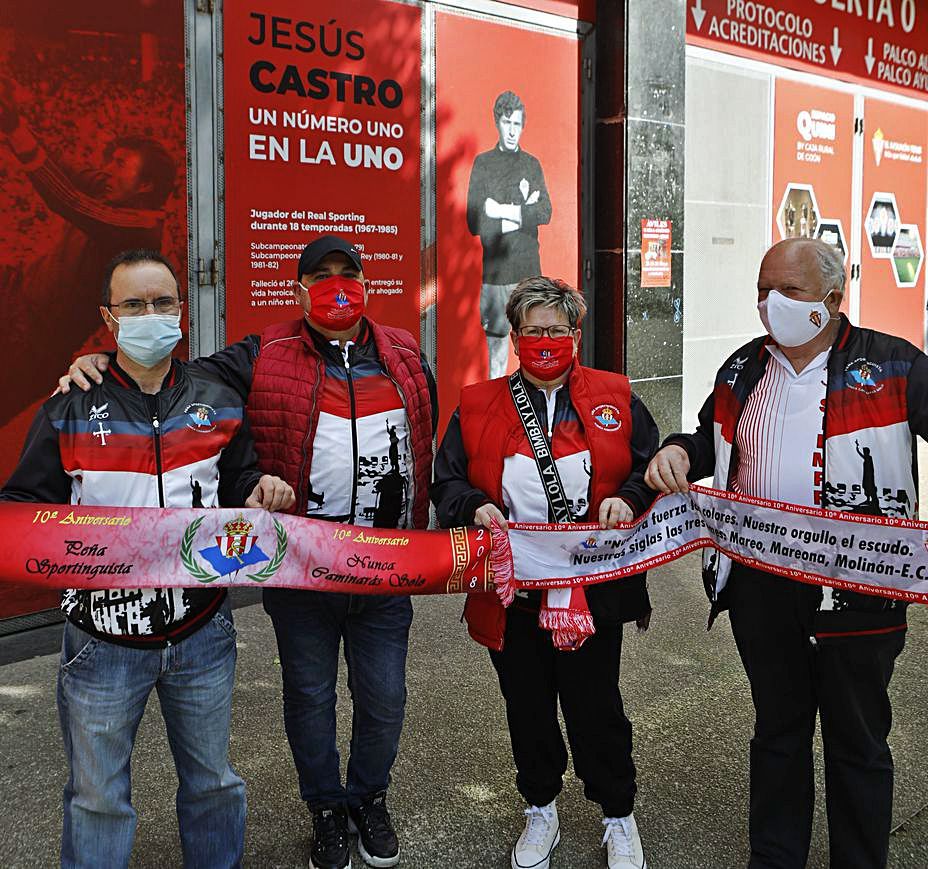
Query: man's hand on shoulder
x,y
668,469
271,494
83,370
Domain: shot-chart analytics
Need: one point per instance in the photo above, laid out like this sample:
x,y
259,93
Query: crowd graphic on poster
x,y
91,163
894,240
907,255
507,200
322,112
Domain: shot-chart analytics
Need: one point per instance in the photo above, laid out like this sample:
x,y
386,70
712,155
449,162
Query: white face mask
x,y
792,323
150,338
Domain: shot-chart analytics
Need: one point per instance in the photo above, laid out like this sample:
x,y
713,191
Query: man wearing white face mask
x,y
822,414
153,433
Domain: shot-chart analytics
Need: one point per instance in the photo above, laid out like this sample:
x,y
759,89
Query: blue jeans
x,y
310,626
102,692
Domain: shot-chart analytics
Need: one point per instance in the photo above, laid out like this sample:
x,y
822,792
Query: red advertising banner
x,y
321,137
92,162
895,189
507,152
879,42
813,164
656,242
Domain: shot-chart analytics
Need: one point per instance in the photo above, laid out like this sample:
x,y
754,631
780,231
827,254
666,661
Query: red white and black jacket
x,y
186,446
350,431
877,396
602,437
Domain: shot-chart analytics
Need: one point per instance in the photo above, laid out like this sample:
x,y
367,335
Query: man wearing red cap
x,y
343,409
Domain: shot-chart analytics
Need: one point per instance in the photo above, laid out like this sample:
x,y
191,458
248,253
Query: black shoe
x,y
377,840
330,838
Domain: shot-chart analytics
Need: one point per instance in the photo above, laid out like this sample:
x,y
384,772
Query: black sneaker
x,y
330,838
377,840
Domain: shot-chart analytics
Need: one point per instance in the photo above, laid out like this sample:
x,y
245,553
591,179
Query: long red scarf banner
x,y
143,547
61,546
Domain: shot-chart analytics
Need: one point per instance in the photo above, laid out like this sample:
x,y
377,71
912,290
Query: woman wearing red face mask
x,y
555,419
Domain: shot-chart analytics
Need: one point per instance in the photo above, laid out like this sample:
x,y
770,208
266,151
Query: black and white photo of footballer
x,y
507,200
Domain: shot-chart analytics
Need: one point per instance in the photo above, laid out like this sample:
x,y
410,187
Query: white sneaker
x,y
539,838
623,844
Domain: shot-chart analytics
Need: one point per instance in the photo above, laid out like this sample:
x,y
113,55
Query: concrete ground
x,y
453,796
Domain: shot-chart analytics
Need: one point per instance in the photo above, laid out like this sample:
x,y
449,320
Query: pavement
x,y
453,796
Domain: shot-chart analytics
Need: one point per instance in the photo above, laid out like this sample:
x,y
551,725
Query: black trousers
x,y
533,675
845,681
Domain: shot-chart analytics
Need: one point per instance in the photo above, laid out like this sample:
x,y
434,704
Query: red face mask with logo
x,y
546,358
336,303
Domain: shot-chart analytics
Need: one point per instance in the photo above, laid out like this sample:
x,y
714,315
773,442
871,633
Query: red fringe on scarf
x,y
501,564
569,628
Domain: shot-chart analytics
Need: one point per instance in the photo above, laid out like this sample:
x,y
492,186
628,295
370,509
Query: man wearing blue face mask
x,y
343,407
153,433
823,414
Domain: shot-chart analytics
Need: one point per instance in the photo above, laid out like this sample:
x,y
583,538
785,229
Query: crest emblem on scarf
x,y
238,542
864,376
606,417
236,549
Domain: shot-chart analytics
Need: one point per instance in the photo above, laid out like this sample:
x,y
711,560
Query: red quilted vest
x,y
283,410
491,430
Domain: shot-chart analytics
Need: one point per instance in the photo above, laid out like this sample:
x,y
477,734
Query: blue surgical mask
x,y
148,339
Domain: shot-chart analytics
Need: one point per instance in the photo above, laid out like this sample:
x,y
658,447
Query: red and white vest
x,y
492,431
284,406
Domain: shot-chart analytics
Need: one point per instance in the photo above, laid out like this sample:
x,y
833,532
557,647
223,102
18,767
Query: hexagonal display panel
x,y
882,224
798,216
832,232
907,255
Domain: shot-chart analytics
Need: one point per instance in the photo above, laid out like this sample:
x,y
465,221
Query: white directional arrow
x,y
698,14
869,59
836,49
